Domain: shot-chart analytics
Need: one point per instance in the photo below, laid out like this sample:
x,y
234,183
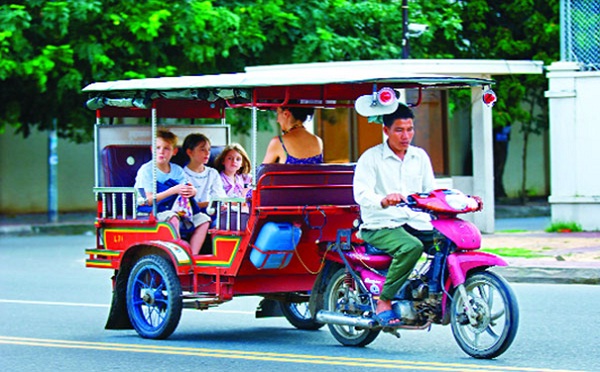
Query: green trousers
x,y
405,250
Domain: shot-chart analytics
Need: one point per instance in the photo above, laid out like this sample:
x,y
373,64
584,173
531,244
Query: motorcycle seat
x,y
372,250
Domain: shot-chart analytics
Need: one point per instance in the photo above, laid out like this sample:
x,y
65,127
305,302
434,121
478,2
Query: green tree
x,y
49,50
516,30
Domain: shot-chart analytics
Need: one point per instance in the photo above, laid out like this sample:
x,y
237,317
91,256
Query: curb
x,y
48,229
549,275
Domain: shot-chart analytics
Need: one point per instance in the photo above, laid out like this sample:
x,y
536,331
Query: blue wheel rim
x,y
150,299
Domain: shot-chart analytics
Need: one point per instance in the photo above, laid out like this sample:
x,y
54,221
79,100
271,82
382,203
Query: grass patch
x,y
514,252
513,231
564,227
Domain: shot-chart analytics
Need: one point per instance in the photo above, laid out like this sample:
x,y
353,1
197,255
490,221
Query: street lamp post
x,y
404,29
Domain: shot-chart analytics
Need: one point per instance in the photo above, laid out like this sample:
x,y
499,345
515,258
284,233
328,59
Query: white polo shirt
x,y
380,172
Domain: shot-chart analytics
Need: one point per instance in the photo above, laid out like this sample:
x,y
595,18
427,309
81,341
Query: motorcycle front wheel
x,y
497,316
343,291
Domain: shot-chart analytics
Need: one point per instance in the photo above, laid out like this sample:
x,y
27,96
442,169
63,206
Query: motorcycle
x,y
453,285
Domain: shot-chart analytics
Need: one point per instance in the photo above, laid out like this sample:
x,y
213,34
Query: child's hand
x,y
186,190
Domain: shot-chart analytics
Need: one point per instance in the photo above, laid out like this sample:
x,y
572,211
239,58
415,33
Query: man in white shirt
x,y
384,176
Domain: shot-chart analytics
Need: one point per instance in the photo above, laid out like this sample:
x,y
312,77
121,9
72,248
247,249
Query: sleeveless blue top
x,y
317,159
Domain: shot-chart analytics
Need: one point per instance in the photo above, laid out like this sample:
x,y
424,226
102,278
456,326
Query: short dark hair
x,y
402,112
299,113
194,139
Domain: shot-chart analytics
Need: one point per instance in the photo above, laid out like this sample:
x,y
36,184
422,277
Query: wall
x,y
574,137
21,158
538,159
538,163
24,174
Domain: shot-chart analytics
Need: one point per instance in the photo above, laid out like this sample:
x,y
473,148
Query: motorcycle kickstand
x,y
392,330
469,309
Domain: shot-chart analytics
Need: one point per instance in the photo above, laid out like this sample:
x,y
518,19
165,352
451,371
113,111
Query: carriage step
x,y
201,302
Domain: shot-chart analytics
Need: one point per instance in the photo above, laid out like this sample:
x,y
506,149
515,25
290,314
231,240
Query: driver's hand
x,y
392,199
479,203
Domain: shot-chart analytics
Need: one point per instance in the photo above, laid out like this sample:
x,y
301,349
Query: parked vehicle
x,y
296,246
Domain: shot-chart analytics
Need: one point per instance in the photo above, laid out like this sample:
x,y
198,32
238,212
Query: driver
x,y
384,176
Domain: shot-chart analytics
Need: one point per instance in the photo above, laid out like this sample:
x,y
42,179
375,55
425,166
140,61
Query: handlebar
x,y
445,201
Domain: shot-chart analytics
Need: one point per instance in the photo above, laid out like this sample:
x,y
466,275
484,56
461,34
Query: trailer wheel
x,y
298,314
154,301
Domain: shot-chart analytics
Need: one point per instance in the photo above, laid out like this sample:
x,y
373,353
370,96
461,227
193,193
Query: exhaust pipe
x,y
330,317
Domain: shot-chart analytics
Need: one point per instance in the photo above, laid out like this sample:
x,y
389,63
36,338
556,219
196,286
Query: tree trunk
x,y
527,129
524,168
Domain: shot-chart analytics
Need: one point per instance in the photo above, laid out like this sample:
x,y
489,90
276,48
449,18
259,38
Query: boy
x,y
171,183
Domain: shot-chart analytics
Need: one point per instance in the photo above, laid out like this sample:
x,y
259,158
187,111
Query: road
x,y
53,311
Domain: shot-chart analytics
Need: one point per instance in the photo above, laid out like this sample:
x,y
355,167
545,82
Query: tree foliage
x,y
517,30
49,50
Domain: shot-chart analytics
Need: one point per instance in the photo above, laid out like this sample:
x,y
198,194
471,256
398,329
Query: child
x,y
171,183
205,179
234,165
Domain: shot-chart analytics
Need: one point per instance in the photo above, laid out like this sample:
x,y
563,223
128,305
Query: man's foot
x,y
388,318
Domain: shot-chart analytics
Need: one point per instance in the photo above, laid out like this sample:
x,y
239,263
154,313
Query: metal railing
x,y
119,202
226,208
580,33
123,202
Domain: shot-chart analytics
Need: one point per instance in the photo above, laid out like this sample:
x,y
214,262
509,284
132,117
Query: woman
x,y
295,145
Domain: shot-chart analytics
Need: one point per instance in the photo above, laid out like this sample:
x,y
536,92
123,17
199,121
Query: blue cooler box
x,y
275,245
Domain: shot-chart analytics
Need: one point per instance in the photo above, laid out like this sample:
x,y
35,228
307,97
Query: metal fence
x,y
580,32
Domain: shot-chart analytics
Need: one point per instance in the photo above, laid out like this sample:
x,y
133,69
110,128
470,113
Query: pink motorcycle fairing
x,y
463,233
460,263
374,282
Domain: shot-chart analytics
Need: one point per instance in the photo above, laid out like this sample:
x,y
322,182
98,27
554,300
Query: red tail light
x,y
489,97
386,96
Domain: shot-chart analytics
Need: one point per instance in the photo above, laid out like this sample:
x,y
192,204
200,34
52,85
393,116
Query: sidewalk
x,y
552,257
28,224
547,258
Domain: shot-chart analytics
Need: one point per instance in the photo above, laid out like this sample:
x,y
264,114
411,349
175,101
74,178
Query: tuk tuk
x,y
278,249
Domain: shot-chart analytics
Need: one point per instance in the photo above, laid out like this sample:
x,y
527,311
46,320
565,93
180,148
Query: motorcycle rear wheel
x,y
338,290
497,313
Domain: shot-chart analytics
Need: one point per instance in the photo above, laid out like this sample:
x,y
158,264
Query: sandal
x,y
388,318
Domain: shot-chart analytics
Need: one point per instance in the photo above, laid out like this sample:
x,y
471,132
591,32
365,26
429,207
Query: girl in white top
x,y
205,179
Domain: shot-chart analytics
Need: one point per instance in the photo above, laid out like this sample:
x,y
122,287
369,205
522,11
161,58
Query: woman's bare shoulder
x,y
274,151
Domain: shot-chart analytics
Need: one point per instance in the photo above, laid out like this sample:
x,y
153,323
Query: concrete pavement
x,y
543,257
